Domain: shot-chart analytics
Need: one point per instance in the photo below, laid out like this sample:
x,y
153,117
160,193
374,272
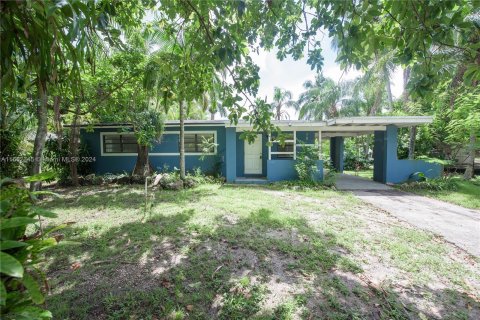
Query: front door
x,y
253,156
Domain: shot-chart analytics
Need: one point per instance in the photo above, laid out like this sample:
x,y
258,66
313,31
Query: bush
x,y
57,157
355,158
330,179
20,254
446,183
306,165
11,154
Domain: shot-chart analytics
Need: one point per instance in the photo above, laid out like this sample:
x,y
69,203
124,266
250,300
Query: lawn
x,y
366,173
243,252
467,193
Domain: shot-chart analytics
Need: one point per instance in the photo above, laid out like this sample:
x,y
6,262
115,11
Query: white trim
x,y
129,154
294,144
381,120
269,148
320,156
353,128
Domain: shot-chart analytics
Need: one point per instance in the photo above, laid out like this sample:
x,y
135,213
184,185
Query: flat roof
x,y
347,126
399,121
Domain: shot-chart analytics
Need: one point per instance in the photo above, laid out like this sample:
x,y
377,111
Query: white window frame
x,y
270,152
162,153
201,153
294,152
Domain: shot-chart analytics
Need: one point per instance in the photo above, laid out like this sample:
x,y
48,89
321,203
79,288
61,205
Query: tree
x,y
48,38
281,98
148,126
324,99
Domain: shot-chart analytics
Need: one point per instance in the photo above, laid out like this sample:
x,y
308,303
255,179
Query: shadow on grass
x,y
122,197
260,267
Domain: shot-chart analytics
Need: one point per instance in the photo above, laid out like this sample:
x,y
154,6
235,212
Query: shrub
x,y
306,165
20,254
57,157
11,155
446,183
329,179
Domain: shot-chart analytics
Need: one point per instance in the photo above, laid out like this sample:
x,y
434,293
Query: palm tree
x,y
282,98
377,77
212,100
325,99
174,76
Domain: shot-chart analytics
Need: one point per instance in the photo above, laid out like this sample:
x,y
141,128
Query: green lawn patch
x,y
366,173
456,190
248,252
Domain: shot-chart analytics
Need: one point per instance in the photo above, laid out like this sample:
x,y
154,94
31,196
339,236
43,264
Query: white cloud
x,y
290,74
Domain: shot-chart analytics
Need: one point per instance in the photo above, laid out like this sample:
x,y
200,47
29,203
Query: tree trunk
x,y
406,78
388,88
411,143
73,153
405,98
212,115
470,169
73,147
41,135
376,103
142,166
58,120
182,139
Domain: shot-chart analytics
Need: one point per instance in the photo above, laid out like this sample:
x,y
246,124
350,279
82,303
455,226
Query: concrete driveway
x,y
456,224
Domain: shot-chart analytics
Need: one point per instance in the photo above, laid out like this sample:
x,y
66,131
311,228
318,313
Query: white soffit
x,y
405,121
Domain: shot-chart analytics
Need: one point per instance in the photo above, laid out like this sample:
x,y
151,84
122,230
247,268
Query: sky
x,y
290,74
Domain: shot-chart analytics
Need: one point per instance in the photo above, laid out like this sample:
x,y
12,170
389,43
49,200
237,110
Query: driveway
x,y
455,224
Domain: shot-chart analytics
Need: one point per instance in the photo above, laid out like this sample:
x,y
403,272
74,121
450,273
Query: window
x,y
119,143
199,142
287,147
287,150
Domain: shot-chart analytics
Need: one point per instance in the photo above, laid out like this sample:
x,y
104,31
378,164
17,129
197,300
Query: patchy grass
x,y
367,173
466,192
247,252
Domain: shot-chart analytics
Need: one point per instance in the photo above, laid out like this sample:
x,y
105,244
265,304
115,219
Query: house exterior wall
x,y
163,155
388,168
284,170
229,158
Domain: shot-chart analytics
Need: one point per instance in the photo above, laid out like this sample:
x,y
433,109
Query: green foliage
x,y
148,126
58,159
321,99
446,183
306,164
207,146
282,98
242,301
330,178
21,279
354,156
12,154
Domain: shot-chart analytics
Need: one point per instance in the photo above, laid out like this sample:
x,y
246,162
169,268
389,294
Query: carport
x,y
387,167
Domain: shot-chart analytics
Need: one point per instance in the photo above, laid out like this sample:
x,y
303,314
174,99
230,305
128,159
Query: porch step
x,y
241,180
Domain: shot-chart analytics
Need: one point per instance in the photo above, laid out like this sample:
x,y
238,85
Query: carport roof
x,y
349,126
402,121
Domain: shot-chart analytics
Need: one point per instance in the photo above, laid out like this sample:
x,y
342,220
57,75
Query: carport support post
x,y
231,154
336,153
384,154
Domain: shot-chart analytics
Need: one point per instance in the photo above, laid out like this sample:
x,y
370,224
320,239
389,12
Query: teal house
x,y
265,160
